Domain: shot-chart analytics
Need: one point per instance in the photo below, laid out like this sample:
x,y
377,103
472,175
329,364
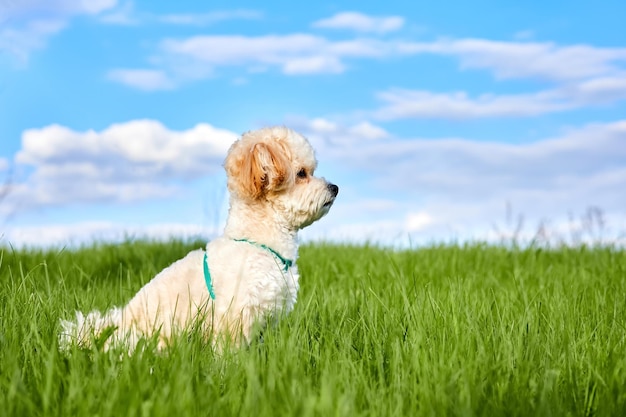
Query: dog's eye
x,y
301,173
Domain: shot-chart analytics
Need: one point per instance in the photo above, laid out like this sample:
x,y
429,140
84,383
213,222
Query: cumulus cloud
x,y
449,186
392,189
130,161
361,23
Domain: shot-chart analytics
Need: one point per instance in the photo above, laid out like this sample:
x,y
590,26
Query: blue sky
x,y
439,121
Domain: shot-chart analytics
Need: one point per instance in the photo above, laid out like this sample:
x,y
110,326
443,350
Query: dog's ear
x,y
257,169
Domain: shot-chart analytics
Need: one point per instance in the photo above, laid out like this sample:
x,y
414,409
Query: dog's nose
x,y
334,190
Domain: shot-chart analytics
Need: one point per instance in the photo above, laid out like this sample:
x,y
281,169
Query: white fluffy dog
x,y
247,275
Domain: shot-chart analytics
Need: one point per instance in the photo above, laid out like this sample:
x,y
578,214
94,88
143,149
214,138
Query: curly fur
x,y
273,194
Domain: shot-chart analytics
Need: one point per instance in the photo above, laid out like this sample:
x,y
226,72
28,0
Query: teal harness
x,y
287,263
207,277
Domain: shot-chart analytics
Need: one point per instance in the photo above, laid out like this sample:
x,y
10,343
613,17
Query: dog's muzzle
x,y
334,190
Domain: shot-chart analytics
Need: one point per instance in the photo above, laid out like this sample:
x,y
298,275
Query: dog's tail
x,y
93,329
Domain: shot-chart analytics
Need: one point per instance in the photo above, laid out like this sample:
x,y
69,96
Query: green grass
x,y
440,331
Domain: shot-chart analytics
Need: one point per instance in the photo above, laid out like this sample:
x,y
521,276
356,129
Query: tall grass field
x,y
438,331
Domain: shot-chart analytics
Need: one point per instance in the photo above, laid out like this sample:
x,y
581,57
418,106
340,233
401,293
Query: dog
x,y
245,277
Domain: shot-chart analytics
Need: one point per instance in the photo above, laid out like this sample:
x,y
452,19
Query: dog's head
x,y
276,166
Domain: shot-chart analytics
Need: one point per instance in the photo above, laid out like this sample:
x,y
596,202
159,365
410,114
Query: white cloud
x,y
579,159
325,134
195,58
410,224
375,231
130,161
126,15
28,24
400,104
142,79
581,75
313,65
602,90
20,42
418,221
79,233
528,59
454,186
26,9
282,51
203,19
367,131
293,54
393,190
361,23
